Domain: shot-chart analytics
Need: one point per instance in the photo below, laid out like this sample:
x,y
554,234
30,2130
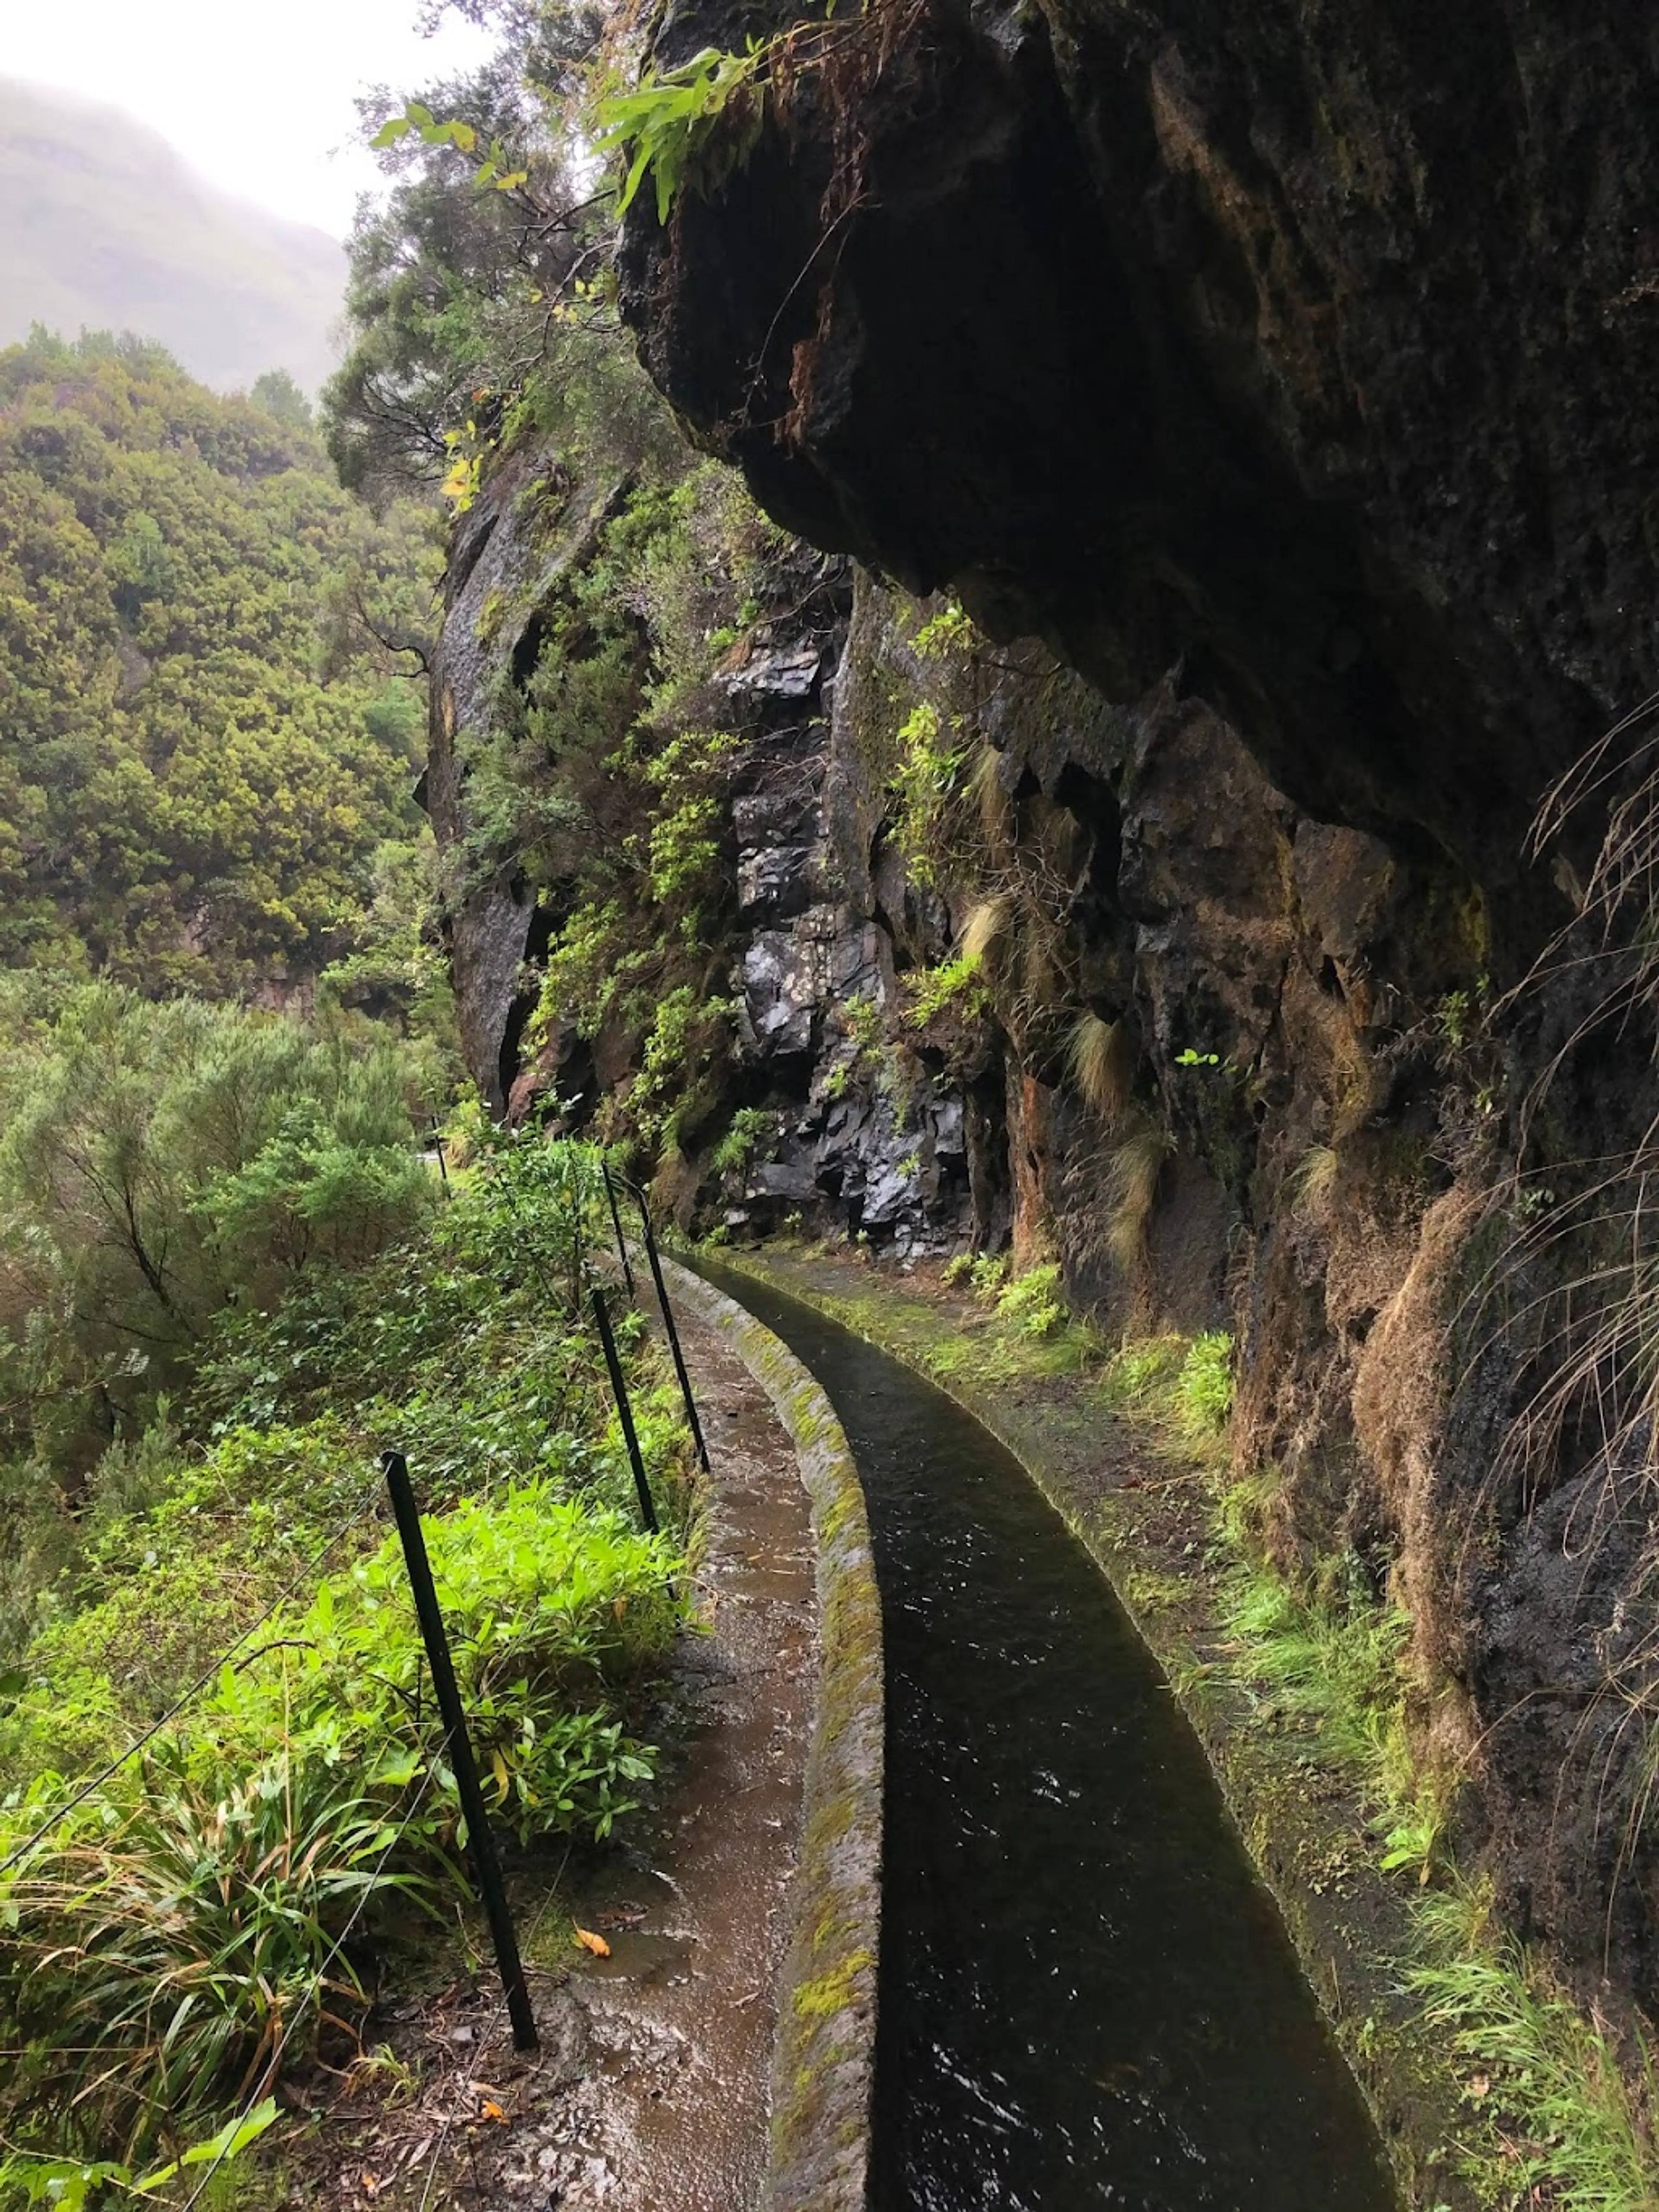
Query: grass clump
x,y
1532,2053
1204,1387
1183,1387
1553,2117
1101,1057
1134,1170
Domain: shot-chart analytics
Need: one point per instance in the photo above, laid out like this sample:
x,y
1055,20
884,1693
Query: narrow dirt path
x,y
650,2090
681,2015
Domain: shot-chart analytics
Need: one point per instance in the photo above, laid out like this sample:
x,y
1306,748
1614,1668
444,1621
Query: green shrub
x,y
155,1950
158,1948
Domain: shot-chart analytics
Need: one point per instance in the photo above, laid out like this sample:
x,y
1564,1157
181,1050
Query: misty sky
x,y
257,99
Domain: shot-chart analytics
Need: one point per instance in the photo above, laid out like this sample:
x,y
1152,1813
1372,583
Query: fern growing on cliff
x,y
686,128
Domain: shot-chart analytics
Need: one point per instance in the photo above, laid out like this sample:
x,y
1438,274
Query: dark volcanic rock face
x,y
1305,346
1287,370
849,1139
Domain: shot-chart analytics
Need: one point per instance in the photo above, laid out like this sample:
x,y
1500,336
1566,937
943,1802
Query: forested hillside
x,y
209,711
231,1275
102,227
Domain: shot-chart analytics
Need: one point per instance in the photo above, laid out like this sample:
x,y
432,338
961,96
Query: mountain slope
x,y
103,226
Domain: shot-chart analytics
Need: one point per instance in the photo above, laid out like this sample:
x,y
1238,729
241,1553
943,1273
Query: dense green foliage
x,y
607,779
184,1929
618,726
203,741
228,1279
458,294
161,1163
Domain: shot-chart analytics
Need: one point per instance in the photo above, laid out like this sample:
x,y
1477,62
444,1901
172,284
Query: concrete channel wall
x,y
823,2062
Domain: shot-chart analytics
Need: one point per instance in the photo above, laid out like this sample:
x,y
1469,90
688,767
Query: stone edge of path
x,y
823,2058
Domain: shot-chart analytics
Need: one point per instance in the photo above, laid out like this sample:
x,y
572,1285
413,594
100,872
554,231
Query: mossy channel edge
x,y
824,2060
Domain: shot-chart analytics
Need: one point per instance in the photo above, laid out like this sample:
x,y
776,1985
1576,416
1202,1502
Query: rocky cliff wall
x,y
1276,375
807,1114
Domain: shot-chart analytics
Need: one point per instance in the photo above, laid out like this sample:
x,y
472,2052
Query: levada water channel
x,y
1086,1997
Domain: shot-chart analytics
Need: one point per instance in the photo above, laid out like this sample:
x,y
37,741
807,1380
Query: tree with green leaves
x,y
211,673
159,1162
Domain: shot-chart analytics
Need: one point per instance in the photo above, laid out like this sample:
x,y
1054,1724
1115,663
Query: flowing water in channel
x,y
1086,1996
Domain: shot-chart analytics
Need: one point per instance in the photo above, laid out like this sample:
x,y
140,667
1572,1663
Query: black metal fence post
x,y
673,1333
615,1223
443,1165
395,1469
624,1413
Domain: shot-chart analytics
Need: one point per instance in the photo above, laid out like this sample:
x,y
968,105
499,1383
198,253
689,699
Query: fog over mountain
x,y
103,226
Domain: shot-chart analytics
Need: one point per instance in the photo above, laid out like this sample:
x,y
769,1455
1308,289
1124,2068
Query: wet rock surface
x,y
1285,371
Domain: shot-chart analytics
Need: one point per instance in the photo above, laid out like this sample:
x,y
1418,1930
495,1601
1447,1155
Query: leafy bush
x,y
184,1928
160,1162
156,1951
165,1951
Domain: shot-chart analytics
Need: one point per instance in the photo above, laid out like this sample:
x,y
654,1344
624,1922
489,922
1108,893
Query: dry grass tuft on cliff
x,y
1101,1057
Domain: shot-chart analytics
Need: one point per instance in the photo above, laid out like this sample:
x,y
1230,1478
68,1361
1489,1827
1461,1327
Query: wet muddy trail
x,y
650,2091
1087,1999
682,2016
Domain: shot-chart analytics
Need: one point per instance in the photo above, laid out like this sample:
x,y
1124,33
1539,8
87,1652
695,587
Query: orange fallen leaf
x,y
590,1942
491,2111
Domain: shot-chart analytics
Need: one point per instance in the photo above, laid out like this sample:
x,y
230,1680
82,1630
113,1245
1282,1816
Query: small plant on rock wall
x,y
1101,1058
1032,1302
686,128
672,1092
1204,1389
950,630
751,1127
954,985
924,782
892,1068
